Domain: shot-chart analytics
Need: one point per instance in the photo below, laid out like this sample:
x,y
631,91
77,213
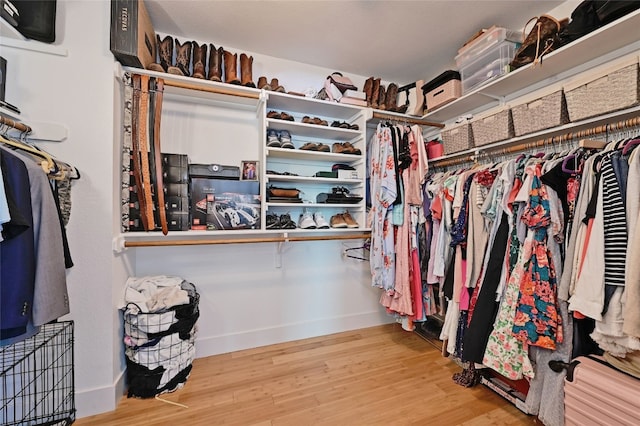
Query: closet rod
x,y
605,128
15,124
418,121
217,90
164,243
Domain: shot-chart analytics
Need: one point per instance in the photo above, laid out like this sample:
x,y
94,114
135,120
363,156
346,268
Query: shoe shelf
x,y
301,106
312,179
602,45
305,205
191,90
313,130
301,154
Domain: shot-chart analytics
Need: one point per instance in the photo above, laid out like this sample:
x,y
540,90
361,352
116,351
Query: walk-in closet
x,y
312,212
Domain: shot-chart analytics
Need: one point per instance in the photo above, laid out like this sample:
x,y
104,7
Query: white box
x,y
348,174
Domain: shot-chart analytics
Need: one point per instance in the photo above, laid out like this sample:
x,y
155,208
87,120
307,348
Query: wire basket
x,y
37,378
160,346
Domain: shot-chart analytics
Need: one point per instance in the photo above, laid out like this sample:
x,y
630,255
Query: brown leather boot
x,y
383,98
165,54
246,63
183,57
155,65
231,68
199,60
275,86
391,101
262,83
368,87
375,93
215,63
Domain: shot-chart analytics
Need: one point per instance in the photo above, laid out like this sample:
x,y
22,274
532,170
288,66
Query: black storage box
x,y
133,39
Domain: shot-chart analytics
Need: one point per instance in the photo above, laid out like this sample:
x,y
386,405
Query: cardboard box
x,y
348,174
219,204
133,39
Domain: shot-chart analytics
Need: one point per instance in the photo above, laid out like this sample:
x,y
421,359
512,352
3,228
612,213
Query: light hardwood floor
x,y
374,376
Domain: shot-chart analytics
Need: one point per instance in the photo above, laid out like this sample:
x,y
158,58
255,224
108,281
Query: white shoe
x,y
306,221
321,222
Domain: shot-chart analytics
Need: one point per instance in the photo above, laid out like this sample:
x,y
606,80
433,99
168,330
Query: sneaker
x,y
349,220
285,139
337,221
321,222
306,221
273,222
272,139
286,222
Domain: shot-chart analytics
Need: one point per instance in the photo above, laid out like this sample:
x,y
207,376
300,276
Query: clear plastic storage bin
x,y
478,47
493,63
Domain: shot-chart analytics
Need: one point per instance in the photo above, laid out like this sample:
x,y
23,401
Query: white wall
x,y
246,299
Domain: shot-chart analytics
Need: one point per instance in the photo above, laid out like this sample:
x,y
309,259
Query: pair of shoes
x,y
279,139
280,115
345,148
345,125
312,221
315,120
274,86
310,146
343,220
280,222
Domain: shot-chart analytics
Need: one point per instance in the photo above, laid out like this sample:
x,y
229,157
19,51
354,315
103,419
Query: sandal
x,y
323,148
350,149
274,114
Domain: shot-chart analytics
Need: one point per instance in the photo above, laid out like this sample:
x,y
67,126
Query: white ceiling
x,y
399,41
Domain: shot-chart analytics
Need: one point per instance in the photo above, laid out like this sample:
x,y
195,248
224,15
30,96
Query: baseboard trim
x,y
215,345
100,400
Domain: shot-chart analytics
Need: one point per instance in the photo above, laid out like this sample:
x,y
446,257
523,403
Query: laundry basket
x,y
160,345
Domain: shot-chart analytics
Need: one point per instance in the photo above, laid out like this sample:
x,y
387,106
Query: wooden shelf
x,y
606,43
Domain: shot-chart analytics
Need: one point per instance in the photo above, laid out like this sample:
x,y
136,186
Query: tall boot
x,y
246,64
383,98
231,68
183,57
392,97
155,65
215,63
375,93
199,60
368,87
165,54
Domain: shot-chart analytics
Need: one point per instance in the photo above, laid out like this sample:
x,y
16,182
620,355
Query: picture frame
x,y
249,170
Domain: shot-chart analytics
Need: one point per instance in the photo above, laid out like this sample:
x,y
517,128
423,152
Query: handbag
x,y
542,39
341,82
591,15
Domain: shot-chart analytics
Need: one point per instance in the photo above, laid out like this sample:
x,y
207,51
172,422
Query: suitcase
x,y
598,394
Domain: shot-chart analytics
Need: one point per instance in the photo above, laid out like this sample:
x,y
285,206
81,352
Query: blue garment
x,y
17,251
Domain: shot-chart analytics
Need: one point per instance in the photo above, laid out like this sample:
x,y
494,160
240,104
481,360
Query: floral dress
x,y
537,321
383,194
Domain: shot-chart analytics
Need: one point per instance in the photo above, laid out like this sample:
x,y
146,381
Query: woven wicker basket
x,y
616,90
542,113
457,138
493,127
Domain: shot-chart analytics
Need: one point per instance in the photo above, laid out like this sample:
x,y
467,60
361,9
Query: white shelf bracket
x,y
262,100
117,244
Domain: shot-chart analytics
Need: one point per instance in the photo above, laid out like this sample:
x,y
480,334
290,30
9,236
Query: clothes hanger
x,y
630,145
48,165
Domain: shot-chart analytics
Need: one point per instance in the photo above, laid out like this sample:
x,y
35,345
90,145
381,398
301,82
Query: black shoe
x,y
273,222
